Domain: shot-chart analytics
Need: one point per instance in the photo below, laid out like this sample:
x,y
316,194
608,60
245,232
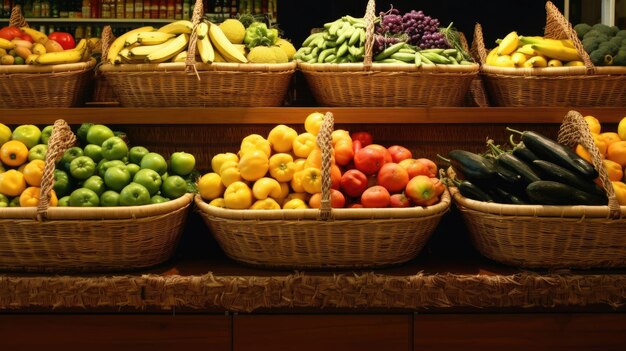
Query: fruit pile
x,y
533,51
605,45
538,170
230,41
103,171
26,45
283,171
411,38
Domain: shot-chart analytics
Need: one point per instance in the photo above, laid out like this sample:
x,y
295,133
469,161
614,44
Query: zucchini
x,y
525,154
551,171
472,191
547,192
514,164
471,166
503,196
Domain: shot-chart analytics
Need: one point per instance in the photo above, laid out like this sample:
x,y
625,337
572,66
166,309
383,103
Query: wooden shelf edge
x,y
290,115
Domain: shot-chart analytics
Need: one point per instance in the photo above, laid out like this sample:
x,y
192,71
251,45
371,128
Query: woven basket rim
x,y
386,67
67,67
99,213
535,212
200,67
560,72
336,213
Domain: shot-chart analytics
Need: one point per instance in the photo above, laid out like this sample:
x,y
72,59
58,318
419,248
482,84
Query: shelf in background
x,y
93,20
289,115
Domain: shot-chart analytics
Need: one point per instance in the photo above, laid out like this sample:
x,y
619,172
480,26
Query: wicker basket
x,y
324,238
536,236
43,86
585,86
370,84
65,239
185,84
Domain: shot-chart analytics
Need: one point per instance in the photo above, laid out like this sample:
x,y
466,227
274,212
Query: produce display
x,y
26,45
283,171
605,45
410,38
538,170
102,170
229,41
519,51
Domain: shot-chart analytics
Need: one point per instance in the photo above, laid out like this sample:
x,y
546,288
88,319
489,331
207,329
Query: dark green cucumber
x,y
503,196
551,171
523,153
472,191
548,149
547,192
514,164
471,166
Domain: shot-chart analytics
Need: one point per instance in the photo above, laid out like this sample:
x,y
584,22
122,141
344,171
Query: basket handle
x,y
325,142
107,39
196,18
370,22
478,50
574,130
17,18
60,140
558,27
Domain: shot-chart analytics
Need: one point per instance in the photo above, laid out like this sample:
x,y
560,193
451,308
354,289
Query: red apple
x,y
393,177
414,167
420,190
369,160
399,200
353,182
399,153
431,165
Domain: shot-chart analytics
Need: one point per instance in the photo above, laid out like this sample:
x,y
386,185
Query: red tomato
x,y
356,145
415,167
439,186
376,196
369,160
399,200
65,39
27,37
399,153
364,137
383,149
10,32
353,182
393,177
337,200
431,165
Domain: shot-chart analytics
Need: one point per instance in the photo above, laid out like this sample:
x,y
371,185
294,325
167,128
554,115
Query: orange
x,y
617,152
610,137
620,192
593,123
33,171
613,170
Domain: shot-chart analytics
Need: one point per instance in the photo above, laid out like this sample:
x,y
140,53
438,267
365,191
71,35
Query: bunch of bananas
x,y
43,51
533,51
170,43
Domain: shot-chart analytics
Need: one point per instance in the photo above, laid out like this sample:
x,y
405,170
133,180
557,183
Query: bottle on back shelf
x,y
154,8
186,9
163,9
138,12
106,10
171,9
119,9
178,10
129,9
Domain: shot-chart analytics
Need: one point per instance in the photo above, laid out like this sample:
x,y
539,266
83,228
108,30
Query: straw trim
x,y
387,67
29,69
201,67
368,290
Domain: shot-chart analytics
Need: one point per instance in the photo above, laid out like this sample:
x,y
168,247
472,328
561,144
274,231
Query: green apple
x,y
83,197
158,199
4,200
98,133
182,163
15,202
29,134
82,167
154,161
93,151
136,153
114,148
81,133
64,201
5,133
132,168
104,164
69,155
95,183
116,178
149,178
62,184
174,187
46,132
134,194
38,152
110,198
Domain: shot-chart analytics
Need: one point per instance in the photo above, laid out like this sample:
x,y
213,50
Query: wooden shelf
x,y
287,115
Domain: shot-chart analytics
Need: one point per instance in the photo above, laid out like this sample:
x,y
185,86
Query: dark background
x,y
497,18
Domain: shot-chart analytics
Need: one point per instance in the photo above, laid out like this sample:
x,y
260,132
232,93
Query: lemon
x,y
313,122
234,30
621,129
262,54
594,124
210,186
5,134
287,47
280,54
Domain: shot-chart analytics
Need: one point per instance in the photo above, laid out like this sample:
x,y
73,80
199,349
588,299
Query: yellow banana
x,y
202,30
205,49
81,44
61,57
536,61
6,44
555,63
174,47
518,59
541,40
503,61
224,46
145,50
181,57
31,59
38,37
574,63
491,56
558,52
509,44
526,50
177,27
119,42
153,38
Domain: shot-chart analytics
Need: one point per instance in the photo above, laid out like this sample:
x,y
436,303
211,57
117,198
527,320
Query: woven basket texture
x,y
536,236
324,238
370,84
66,239
43,86
193,84
584,86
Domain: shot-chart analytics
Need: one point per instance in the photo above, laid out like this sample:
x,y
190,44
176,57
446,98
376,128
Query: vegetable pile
x,y
605,45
